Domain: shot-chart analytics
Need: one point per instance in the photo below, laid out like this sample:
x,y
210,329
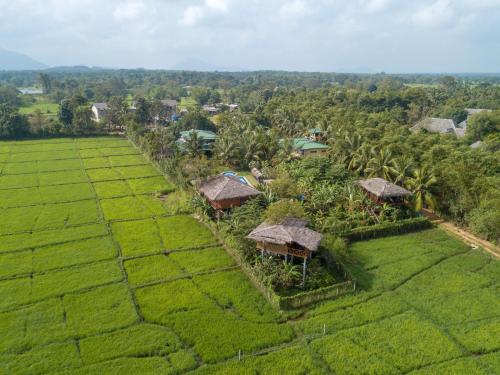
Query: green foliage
x,y
388,229
284,209
12,124
480,125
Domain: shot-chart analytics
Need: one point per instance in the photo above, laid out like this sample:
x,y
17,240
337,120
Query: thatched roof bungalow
x,y
380,190
224,192
291,237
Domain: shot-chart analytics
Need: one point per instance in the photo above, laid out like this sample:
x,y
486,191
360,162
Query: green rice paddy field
x,y
97,278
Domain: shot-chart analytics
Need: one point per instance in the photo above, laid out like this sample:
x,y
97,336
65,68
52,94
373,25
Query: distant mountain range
x,y
10,60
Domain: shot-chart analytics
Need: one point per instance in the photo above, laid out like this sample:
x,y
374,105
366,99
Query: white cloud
x,y
375,5
129,10
294,9
438,13
192,15
218,5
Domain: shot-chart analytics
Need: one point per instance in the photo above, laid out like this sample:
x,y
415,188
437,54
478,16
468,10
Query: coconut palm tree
x,y
226,150
402,169
358,160
422,183
381,163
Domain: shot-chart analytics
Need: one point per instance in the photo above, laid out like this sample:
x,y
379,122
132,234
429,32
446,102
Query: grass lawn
x,y
98,277
45,107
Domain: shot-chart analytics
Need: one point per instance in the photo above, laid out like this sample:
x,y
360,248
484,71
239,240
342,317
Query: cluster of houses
x,y
168,111
302,147
291,238
446,125
219,107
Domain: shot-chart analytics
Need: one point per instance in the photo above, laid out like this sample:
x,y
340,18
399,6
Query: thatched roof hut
x,y
290,232
224,192
291,237
382,190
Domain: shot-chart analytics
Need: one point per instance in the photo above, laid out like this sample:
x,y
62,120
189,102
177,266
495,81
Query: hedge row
x,y
387,229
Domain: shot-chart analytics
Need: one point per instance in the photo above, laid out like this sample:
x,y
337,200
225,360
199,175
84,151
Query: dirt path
x,y
465,236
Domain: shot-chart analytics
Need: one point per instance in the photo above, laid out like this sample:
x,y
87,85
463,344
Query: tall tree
x,y
46,82
66,113
422,184
82,119
12,124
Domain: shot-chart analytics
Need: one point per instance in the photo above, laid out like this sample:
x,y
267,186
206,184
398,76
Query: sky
x,y
394,36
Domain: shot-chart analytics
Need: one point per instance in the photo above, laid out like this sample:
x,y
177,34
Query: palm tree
x,y
381,164
194,144
421,183
226,150
359,160
402,169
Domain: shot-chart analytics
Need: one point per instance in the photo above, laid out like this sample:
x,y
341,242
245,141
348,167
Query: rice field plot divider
x,y
186,276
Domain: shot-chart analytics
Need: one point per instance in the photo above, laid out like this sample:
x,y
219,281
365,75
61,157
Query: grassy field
x,y
49,109
97,278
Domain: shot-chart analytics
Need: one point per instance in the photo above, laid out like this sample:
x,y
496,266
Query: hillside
x,y
10,60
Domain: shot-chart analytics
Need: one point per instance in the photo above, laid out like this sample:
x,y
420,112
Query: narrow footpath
x,y
465,236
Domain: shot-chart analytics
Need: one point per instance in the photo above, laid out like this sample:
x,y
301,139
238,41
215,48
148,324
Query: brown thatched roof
x,y
217,188
383,189
291,230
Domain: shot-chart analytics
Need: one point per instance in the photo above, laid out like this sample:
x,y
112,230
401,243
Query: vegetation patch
x,y
184,232
111,189
150,269
150,185
99,310
203,260
137,237
137,341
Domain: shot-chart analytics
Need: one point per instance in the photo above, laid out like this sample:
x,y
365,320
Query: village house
x,y
446,125
306,147
205,137
211,110
315,134
382,191
224,192
289,239
438,125
99,111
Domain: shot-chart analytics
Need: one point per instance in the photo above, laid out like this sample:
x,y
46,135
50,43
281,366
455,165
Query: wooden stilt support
x,y
304,268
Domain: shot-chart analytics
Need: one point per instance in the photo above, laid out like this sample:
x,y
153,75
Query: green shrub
x,y
387,229
283,209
